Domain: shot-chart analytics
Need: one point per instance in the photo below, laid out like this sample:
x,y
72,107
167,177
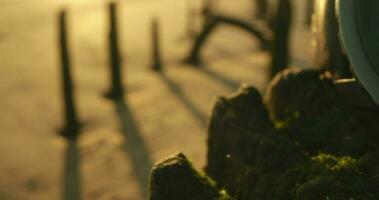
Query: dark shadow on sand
x,y
232,85
134,145
184,99
238,58
71,174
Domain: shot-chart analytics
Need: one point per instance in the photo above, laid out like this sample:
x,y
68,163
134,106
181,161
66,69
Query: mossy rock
x,y
331,177
307,145
242,138
244,111
321,177
369,164
235,123
323,188
358,135
295,93
175,178
255,185
305,105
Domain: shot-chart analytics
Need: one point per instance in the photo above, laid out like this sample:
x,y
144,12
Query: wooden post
x,y
281,36
72,125
194,58
207,7
190,22
155,42
116,91
261,9
309,7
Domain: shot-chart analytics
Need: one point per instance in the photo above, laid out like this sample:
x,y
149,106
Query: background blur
x,y
163,113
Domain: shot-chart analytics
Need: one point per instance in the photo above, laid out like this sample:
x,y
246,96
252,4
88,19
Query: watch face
x,y
359,28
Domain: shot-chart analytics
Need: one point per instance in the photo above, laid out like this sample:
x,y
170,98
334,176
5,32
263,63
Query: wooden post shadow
x,y
156,45
190,22
199,116
134,145
261,9
71,173
232,85
72,125
207,7
116,87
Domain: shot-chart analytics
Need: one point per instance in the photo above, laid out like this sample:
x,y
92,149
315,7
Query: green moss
x,y
329,176
333,163
293,115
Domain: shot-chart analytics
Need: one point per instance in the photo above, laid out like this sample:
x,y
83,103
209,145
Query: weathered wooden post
x,y
214,21
194,56
309,12
261,9
207,6
281,36
155,44
190,22
116,91
72,125
309,7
